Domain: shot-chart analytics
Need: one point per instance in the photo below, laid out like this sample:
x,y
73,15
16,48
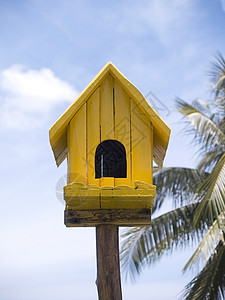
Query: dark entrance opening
x,y
110,160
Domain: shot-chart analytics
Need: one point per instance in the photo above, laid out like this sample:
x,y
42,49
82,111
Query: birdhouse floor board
x,y
119,217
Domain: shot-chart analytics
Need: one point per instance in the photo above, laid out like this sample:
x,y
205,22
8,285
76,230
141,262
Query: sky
x,y
49,52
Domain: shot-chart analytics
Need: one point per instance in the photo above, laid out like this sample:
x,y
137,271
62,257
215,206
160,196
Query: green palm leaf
x,y
210,282
210,193
178,183
207,132
209,160
218,73
145,245
206,247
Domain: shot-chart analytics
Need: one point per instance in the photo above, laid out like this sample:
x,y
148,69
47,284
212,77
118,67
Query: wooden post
x,y
108,265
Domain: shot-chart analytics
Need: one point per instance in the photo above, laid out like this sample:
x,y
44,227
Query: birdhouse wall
x,y
110,114
142,145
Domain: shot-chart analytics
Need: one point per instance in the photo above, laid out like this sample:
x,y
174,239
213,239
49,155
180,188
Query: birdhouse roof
x,y
58,132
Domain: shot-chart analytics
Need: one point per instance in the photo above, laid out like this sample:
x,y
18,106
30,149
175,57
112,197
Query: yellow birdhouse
x,y
110,136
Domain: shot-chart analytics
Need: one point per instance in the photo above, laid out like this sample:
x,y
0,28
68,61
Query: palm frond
x,y
218,72
209,284
178,183
217,66
210,193
206,131
145,245
209,160
221,84
203,106
207,245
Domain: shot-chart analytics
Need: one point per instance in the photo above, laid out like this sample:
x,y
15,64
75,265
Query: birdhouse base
x,y
119,217
79,196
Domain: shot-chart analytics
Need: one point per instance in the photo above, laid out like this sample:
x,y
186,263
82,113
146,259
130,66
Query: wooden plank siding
x,y
77,147
110,113
122,127
58,132
107,123
141,132
93,135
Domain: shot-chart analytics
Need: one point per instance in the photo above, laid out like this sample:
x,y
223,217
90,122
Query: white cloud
x,y
27,96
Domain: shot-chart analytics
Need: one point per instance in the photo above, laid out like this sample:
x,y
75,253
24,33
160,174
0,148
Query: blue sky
x,y
49,52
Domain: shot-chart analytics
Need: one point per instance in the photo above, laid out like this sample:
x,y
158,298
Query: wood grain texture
x,y
119,217
58,132
122,127
108,266
93,135
77,147
141,145
107,118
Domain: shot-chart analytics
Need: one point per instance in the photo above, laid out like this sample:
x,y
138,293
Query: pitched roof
x,y
58,132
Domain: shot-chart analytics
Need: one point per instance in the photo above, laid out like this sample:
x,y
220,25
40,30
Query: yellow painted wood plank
x,y
152,150
161,129
77,147
122,127
134,202
68,155
142,147
107,116
126,197
58,131
107,181
80,196
93,135
107,111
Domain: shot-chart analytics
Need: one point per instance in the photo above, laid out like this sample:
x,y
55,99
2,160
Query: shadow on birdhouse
x,y
110,136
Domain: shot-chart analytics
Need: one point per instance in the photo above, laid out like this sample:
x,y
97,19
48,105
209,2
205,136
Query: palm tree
x,y
199,202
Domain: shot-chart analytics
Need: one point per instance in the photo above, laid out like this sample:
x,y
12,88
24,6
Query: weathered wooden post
x,y
108,271
110,136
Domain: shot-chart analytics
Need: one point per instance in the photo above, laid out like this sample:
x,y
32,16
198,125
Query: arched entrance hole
x,y
110,160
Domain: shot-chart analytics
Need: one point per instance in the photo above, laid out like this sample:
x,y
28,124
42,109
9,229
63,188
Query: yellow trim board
x,y
79,196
